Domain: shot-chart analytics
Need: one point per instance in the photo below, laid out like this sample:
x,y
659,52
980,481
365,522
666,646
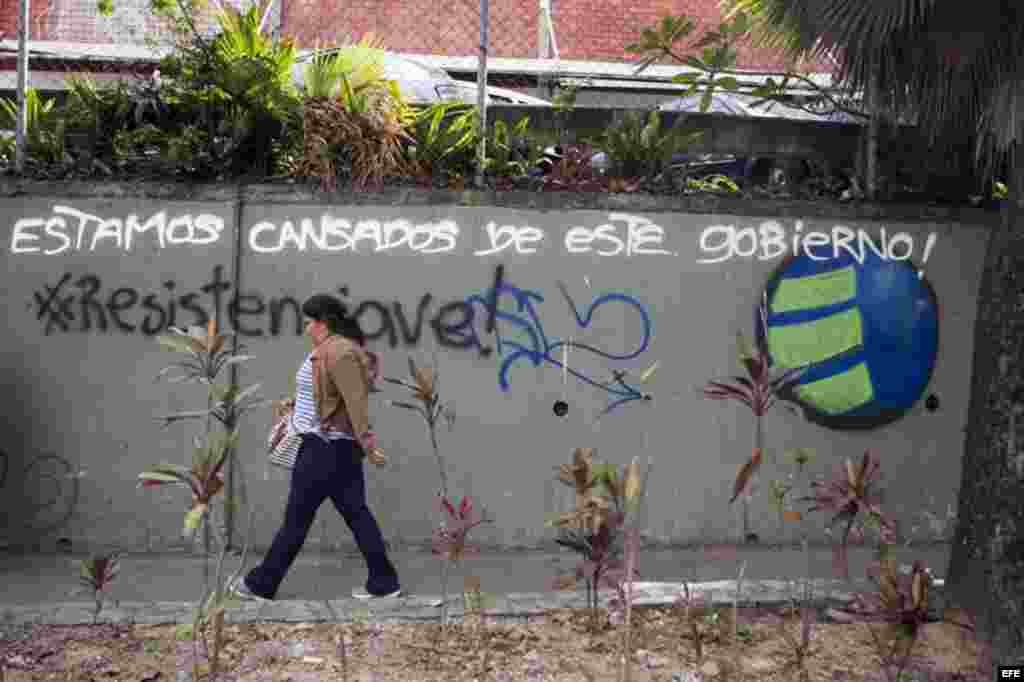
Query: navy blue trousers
x,y
323,470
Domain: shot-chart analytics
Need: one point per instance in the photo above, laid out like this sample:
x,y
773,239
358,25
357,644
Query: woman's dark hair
x,y
328,309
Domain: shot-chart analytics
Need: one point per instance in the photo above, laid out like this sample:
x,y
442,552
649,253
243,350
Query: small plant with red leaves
x,y
449,539
96,574
574,172
900,603
203,355
761,388
597,527
854,497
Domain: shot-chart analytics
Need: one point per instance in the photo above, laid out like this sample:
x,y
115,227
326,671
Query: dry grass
x,y
478,650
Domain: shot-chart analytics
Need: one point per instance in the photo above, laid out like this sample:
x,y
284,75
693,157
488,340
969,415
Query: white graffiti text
x,y
69,228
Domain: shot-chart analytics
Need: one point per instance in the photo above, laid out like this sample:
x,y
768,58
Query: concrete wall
x,y
835,143
79,356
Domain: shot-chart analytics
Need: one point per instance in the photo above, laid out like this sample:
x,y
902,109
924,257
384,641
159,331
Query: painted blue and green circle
x,y
867,333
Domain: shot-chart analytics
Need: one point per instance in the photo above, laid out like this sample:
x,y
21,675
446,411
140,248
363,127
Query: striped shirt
x,y
305,418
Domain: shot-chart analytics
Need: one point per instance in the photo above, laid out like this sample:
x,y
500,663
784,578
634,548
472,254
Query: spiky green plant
x,y
640,147
44,132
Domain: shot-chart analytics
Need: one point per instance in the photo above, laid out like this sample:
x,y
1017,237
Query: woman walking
x,y
330,413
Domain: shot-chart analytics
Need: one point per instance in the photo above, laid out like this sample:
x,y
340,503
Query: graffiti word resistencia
x,y
71,229
770,240
85,303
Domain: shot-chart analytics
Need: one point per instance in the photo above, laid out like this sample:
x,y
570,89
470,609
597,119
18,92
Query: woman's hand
x,y
282,407
376,457
374,454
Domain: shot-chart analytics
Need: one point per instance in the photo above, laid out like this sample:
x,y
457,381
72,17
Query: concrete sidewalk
x,y
164,588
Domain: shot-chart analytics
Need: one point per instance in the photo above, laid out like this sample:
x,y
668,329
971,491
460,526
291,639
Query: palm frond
x,y
942,65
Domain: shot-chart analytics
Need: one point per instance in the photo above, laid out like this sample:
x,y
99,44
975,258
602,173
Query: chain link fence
x,y
132,23
133,33
420,28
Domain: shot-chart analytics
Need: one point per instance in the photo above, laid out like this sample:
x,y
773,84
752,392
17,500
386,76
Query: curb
x,y
414,609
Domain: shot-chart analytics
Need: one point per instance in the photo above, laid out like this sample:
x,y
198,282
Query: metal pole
x,y
481,84
233,500
22,123
543,44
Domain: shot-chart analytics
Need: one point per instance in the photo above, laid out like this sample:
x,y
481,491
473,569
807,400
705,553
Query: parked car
x,y
495,95
753,170
421,83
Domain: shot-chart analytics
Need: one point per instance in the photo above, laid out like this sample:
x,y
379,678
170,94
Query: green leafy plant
x,y
564,100
721,184
237,87
639,147
505,159
97,114
353,119
780,490
714,66
444,137
44,132
258,69
360,64
146,144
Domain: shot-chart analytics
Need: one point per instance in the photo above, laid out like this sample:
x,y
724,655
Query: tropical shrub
x,y
44,130
508,151
237,88
353,119
444,138
639,147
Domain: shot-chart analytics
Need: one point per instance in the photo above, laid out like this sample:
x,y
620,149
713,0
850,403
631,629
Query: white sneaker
x,y
242,591
362,593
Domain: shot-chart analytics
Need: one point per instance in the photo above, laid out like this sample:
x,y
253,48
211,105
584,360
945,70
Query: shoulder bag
x,y
282,444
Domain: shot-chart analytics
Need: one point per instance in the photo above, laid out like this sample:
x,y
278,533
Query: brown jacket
x,y
341,385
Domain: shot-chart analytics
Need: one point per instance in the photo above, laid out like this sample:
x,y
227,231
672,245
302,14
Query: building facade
x,y
583,30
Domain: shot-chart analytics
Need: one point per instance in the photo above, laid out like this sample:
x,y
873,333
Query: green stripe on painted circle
x,y
815,291
806,343
840,392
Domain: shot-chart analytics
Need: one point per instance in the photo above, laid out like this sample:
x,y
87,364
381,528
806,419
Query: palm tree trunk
x,y
986,565
871,146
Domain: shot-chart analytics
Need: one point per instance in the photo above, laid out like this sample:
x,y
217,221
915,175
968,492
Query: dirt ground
x,y
561,645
